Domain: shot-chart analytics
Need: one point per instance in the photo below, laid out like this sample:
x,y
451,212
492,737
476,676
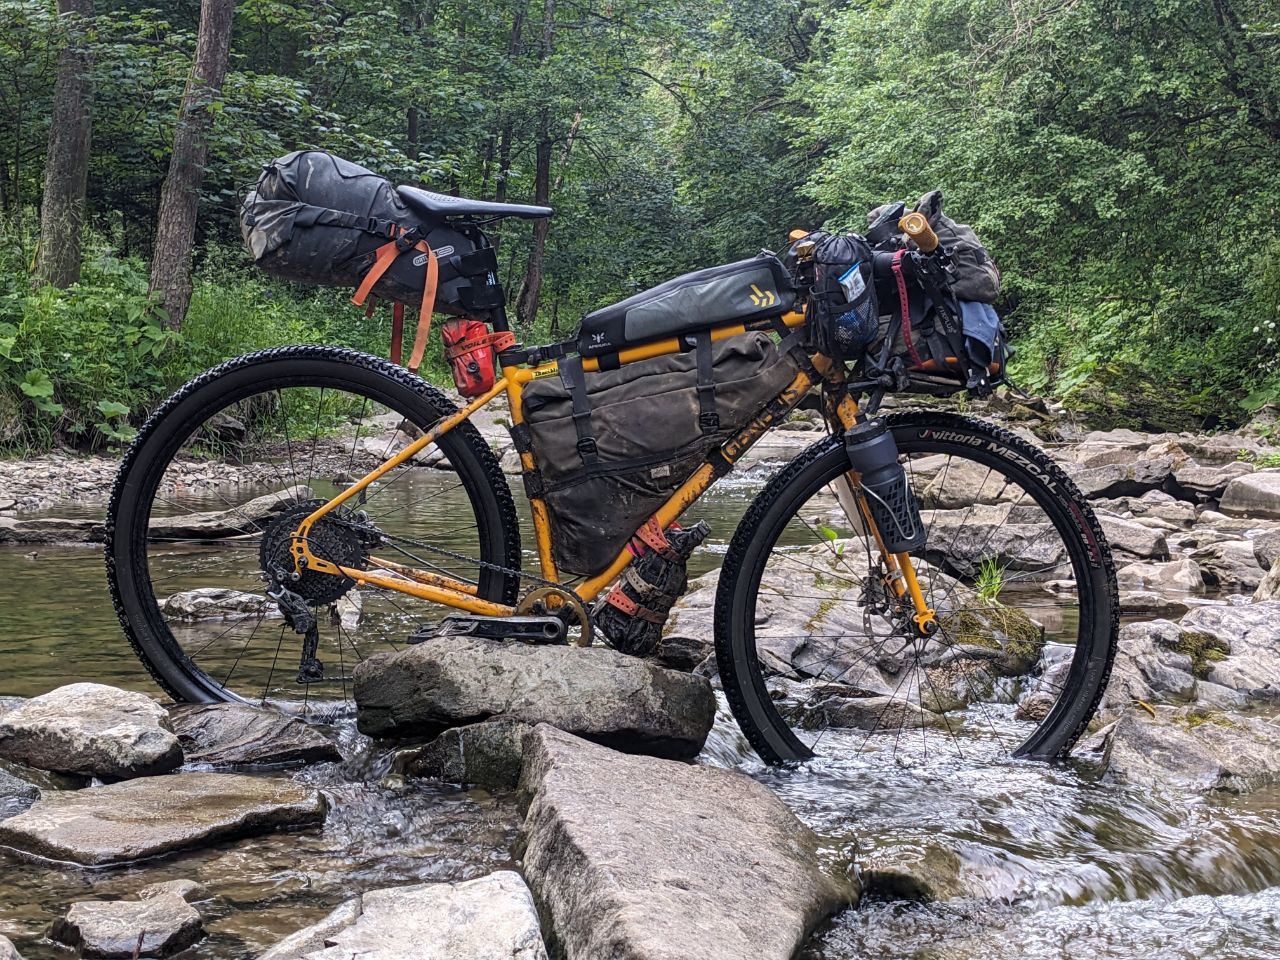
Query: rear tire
x,y
247,380
747,681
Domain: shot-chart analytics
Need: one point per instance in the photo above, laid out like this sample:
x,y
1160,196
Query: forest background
x,y
1121,159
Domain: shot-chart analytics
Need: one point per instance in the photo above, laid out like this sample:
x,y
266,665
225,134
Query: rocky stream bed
x,y
509,801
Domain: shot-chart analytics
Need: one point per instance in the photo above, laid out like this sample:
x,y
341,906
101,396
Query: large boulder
x,y
1189,749
1131,478
135,819
1253,495
1134,539
1196,481
155,927
16,793
1230,565
1251,631
224,734
597,693
635,858
1179,576
7,950
489,918
1266,547
93,730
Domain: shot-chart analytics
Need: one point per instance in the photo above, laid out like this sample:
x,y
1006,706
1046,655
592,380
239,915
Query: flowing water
x,y
1050,863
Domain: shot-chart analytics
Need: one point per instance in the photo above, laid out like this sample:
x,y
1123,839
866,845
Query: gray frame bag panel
x,y
650,427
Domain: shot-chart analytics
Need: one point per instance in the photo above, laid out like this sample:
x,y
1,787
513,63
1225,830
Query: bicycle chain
x,y
497,567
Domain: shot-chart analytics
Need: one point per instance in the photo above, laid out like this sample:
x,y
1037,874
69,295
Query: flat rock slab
x,y
1191,750
1253,495
597,693
226,734
636,858
93,730
1251,631
51,530
111,928
128,821
490,918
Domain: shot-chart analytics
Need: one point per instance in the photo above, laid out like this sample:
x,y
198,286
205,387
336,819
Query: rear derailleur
x,y
302,620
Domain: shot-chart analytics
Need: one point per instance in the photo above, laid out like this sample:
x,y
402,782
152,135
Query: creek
x,y
1052,864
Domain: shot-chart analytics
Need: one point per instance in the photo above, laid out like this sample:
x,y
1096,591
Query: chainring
x,y
335,537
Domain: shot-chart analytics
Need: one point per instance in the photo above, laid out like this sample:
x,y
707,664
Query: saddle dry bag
x,y
316,218
612,446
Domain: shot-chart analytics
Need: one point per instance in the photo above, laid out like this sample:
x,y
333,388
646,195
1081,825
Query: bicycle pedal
x,y
537,630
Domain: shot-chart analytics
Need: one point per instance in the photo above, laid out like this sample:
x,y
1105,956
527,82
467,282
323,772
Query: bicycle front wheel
x,y
200,523
817,652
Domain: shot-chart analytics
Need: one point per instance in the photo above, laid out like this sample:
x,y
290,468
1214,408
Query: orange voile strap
x,y
428,307
383,257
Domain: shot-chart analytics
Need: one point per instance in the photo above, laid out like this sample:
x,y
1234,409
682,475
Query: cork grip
x,y
915,226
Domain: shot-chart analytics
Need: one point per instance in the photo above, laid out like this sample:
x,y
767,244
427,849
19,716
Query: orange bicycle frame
x,y
438,588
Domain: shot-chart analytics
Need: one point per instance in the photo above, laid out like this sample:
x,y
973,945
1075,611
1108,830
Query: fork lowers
x,y
873,455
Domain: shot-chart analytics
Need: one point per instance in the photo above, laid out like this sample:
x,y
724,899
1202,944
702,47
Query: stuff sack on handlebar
x,y
841,309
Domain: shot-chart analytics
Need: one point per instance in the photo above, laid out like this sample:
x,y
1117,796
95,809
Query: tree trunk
x,y
66,171
180,196
531,287
412,123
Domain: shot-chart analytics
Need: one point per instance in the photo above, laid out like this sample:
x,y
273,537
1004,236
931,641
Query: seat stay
x,y
429,204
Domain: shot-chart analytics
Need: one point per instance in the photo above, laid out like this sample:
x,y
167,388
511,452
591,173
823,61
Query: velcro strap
x,y
617,597
502,340
904,308
708,418
576,385
652,535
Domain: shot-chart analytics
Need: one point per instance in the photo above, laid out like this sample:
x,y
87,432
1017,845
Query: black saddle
x,y
435,206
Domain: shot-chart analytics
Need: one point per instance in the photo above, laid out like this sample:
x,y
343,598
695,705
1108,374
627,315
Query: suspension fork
x,y
842,413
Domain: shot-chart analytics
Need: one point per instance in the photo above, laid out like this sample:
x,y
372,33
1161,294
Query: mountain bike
x,y
295,511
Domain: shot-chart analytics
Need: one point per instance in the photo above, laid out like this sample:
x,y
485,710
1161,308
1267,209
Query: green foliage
x,y
1120,158
990,579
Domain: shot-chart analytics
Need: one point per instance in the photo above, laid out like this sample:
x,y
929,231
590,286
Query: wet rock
x,y
247,519
93,730
489,918
51,530
1194,481
1140,601
1230,566
188,890
487,754
1266,548
965,539
920,869
1251,631
1183,576
690,861
7,950
683,653
1190,749
1134,538
113,928
597,693
224,734
1253,495
1127,479
156,815
216,603
16,793
874,713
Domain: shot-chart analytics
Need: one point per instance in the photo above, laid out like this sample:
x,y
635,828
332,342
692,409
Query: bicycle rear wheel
x,y
201,514
818,657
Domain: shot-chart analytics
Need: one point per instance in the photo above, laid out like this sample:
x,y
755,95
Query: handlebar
x,y
916,226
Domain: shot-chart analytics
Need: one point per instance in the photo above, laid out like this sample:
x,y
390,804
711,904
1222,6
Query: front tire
x,y
1006,689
